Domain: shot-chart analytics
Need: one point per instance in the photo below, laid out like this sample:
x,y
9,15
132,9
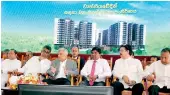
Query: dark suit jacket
x,y
71,67
82,62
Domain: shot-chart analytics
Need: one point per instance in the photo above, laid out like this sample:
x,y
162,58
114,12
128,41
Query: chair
x,y
78,67
77,61
23,61
108,79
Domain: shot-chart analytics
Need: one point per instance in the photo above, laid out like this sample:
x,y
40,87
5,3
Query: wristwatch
x,y
97,76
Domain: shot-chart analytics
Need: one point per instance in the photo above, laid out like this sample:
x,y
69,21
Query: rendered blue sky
x,y
39,16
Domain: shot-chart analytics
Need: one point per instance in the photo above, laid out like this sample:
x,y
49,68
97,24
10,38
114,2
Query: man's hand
x,y
15,71
132,83
150,78
89,76
53,69
126,79
93,78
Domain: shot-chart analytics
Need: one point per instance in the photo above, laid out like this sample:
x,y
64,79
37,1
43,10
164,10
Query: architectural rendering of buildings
x,y
86,35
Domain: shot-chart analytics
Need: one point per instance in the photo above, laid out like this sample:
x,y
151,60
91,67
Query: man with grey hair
x,y
61,69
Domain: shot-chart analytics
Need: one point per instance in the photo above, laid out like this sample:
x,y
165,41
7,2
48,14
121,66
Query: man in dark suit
x,y
75,55
61,69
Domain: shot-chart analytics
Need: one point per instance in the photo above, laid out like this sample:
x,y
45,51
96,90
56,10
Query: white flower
x,y
13,80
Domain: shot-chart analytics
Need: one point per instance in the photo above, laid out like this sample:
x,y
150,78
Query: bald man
x,y
75,55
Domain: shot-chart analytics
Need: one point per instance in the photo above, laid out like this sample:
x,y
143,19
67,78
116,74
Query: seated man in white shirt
x,y
152,60
96,70
37,64
8,65
61,69
161,69
129,72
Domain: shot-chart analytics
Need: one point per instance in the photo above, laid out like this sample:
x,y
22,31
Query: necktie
x,y
91,82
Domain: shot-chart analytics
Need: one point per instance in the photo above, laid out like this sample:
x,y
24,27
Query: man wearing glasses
x,y
28,56
37,64
129,72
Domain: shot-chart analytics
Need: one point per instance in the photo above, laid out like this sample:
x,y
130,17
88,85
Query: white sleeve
x,y
107,70
46,66
3,68
117,70
149,70
19,65
140,71
84,70
22,70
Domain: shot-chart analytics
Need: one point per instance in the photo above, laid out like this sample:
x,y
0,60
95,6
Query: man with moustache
x,y
129,72
95,70
37,64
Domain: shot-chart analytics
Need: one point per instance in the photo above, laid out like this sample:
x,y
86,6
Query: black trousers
x,y
85,82
59,81
155,89
118,87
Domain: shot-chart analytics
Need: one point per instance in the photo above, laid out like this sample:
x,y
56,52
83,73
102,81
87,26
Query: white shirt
x,y
162,73
61,73
130,67
147,67
102,69
34,66
8,65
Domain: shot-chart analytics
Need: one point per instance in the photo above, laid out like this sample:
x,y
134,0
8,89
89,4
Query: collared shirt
x,y
61,73
34,66
161,72
102,69
130,67
10,65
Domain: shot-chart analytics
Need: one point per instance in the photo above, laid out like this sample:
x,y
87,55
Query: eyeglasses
x,y
47,52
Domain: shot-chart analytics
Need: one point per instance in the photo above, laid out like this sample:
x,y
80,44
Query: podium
x,y
64,90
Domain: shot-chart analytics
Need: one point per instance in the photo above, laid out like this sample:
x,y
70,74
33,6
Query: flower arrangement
x,y
29,79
